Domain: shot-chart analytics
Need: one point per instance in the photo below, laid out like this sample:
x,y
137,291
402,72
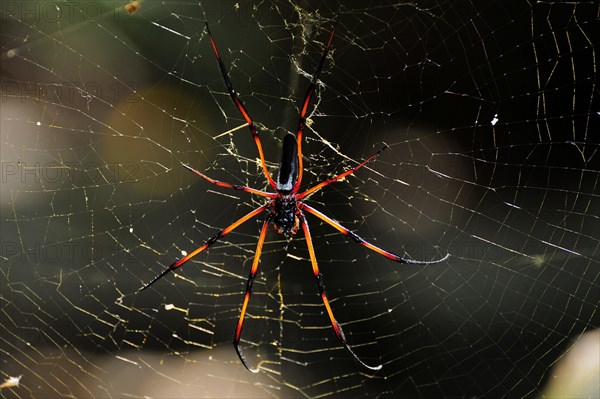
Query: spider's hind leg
x,y
240,106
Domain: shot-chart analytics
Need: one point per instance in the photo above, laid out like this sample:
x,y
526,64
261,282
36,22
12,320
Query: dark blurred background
x,y
491,114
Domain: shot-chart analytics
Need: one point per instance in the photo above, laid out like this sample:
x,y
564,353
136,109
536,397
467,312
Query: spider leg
x,y
233,186
207,244
240,106
307,97
319,277
340,176
365,243
251,277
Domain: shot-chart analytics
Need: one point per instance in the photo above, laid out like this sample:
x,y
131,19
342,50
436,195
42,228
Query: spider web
x,y
491,115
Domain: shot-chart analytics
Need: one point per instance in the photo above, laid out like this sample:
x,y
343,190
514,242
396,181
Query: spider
x,y
285,207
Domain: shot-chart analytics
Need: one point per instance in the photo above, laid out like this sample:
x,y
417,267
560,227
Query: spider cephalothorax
x,y
285,215
285,207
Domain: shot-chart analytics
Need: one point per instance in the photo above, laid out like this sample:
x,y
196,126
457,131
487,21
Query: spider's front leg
x,y
321,286
359,240
207,244
251,277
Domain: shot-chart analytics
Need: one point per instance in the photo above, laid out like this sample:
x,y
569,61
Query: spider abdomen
x,y
288,168
285,219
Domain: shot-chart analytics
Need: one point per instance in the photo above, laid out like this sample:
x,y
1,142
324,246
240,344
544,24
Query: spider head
x,y
285,220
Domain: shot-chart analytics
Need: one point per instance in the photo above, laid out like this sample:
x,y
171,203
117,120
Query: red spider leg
x,y
340,176
233,186
208,243
367,244
240,106
302,119
251,277
319,277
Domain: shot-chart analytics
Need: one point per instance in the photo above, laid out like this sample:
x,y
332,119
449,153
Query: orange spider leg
x,y
251,277
207,244
240,106
365,243
319,277
233,186
302,119
340,176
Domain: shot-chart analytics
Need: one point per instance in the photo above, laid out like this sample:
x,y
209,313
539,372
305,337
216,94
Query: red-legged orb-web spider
x,y
285,206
